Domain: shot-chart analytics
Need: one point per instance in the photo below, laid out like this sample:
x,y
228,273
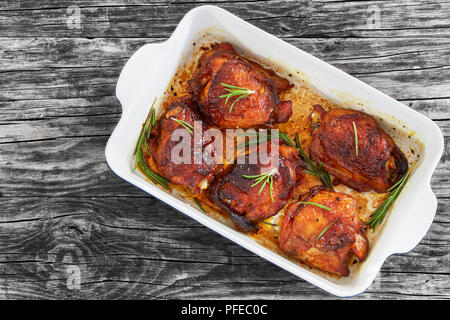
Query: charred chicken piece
x,y
194,176
253,192
254,103
325,239
369,161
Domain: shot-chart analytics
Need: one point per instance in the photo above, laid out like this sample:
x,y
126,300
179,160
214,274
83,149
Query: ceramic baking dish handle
x,y
413,230
150,56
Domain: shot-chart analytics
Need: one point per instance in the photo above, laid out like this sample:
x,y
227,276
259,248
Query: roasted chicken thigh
x,y
233,92
194,176
356,150
325,239
246,200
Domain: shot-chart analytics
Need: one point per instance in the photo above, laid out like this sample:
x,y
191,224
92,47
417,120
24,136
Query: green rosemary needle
x,y
281,136
325,230
266,178
268,223
153,111
234,91
314,169
142,149
356,138
185,125
199,205
316,204
284,136
379,214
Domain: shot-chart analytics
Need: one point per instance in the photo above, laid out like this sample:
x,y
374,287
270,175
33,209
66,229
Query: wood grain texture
x,y
69,228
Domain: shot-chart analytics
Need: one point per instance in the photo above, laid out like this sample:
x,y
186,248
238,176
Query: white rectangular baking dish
x,y
148,72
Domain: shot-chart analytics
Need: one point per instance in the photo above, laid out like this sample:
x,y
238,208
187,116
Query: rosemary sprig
x,y
266,177
379,214
153,112
314,169
284,136
356,138
325,230
142,149
185,125
268,223
281,136
234,91
316,204
199,205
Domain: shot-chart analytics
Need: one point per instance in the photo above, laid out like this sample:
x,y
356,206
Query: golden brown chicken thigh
x,y
256,103
238,193
194,176
356,150
325,239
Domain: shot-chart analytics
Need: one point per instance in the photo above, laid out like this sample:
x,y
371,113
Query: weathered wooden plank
x,y
431,83
436,109
149,215
22,110
58,127
45,69
64,153
136,247
408,84
53,127
57,167
60,83
146,278
395,287
356,54
284,19
75,165
48,4
18,110
49,53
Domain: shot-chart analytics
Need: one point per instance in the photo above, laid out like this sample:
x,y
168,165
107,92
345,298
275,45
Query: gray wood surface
x,y
69,228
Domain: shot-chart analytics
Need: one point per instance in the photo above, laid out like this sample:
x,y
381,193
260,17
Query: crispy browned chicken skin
x,y
223,64
195,177
379,162
245,203
321,238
